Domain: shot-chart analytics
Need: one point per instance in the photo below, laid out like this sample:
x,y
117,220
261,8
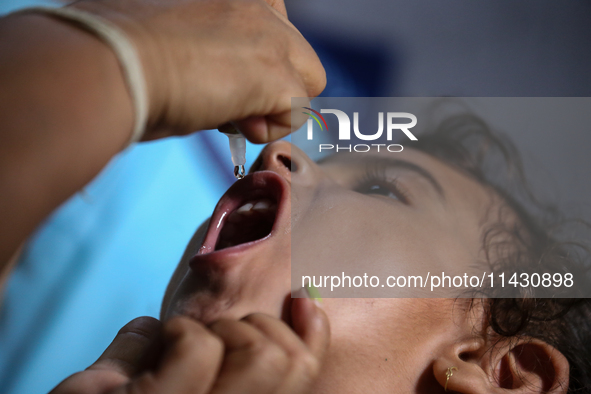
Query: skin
x,y
382,345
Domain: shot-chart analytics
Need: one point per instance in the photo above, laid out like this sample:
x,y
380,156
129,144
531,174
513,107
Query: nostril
x,y
287,163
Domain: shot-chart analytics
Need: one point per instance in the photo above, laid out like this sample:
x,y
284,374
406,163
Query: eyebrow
x,y
393,163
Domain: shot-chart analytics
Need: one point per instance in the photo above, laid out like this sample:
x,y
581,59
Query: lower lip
x,y
220,256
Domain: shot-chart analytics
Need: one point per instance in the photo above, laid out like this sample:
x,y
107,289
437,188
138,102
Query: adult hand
x,y
208,62
65,109
257,354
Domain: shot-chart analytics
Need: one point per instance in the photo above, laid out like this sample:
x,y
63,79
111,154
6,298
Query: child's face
x,y
415,211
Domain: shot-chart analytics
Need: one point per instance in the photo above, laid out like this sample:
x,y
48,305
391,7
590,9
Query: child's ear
x,y
513,366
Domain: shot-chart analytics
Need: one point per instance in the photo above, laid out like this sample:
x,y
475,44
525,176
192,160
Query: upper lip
x,y
260,184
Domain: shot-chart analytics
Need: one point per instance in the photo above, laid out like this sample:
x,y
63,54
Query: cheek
x,y
353,235
379,343
356,234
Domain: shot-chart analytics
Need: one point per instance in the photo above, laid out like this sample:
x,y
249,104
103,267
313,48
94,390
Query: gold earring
x,y
448,375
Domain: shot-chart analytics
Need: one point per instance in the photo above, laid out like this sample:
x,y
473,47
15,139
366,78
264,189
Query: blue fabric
x,y
12,5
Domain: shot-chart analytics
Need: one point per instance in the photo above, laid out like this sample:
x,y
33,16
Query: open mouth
x,y
247,213
252,221
249,222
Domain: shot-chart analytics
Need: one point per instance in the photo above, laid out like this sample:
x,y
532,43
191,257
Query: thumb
x,y
311,323
135,348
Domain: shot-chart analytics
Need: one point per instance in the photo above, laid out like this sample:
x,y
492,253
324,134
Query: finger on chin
x,y
135,348
310,322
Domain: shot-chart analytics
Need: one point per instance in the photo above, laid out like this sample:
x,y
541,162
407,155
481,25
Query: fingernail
x,y
313,294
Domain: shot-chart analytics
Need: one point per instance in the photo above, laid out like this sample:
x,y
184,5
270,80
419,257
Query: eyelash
x,y
376,174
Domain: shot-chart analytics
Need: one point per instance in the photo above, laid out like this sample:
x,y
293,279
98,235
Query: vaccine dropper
x,y
237,148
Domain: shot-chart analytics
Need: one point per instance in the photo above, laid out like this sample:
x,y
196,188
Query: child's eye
x,y
378,180
377,189
380,187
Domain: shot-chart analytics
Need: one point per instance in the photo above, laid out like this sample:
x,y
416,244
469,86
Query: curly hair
x,y
532,243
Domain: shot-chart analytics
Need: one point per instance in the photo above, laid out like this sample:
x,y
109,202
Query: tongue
x,y
249,227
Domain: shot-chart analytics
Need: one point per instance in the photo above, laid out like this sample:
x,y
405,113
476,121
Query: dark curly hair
x,y
532,243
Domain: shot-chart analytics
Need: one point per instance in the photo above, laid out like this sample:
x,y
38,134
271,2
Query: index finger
x,y
192,360
134,349
310,322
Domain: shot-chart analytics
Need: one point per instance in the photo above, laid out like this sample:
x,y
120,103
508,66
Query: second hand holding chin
x,y
257,353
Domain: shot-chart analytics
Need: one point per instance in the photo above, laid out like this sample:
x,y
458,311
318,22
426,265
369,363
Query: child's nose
x,y
288,161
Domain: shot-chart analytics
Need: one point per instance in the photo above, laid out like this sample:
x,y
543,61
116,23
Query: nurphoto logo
x,y
393,123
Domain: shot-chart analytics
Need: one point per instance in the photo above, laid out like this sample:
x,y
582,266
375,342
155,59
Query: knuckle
x,y
77,382
253,318
307,364
269,357
141,328
212,343
319,83
145,384
176,325
273,53
190,336
255,346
